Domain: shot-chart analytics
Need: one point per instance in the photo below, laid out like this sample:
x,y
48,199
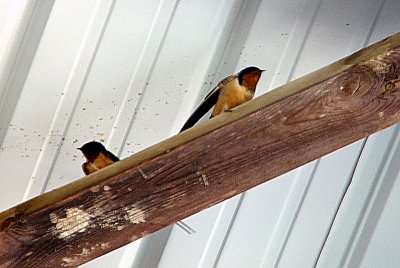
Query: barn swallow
x,y
229,93
98,157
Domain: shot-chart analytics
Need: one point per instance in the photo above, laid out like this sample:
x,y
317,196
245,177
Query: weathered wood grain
x,y
207,164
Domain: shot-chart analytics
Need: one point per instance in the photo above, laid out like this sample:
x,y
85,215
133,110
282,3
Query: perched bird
x,y
97,157
229,93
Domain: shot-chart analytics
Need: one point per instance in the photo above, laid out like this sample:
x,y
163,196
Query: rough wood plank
x,y
207,164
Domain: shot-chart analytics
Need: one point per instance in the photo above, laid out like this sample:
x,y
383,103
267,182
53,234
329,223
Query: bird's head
x,y
249,77
92,149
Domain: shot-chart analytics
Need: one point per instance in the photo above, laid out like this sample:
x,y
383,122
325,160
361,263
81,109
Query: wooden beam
x,y
279,131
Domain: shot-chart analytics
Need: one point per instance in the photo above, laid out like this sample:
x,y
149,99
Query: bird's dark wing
x,y
209,101
111,156
202,109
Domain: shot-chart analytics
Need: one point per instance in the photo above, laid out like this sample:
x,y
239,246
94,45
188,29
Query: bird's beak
x,y
263,70
80,149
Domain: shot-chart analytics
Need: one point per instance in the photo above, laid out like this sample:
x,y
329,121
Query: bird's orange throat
x,y
250,80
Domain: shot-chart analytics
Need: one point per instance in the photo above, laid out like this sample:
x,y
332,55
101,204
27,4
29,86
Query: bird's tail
x,y
203,108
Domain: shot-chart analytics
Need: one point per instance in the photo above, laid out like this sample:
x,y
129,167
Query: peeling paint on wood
x,y
75,221
135,215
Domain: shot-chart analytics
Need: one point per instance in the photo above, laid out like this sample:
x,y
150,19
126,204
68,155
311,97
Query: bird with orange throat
x,y
97,157
229,93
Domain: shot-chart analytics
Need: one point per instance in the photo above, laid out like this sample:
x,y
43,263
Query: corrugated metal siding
x,y
129,73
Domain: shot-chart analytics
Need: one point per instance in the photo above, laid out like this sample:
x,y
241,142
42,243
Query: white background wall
x,y
129,72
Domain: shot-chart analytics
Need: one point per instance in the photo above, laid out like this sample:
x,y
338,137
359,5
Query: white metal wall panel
x,y
21,25
128,73
378,241
348,239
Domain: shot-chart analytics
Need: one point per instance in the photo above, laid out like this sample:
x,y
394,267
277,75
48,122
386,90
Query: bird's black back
x,y
93,148
111,156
